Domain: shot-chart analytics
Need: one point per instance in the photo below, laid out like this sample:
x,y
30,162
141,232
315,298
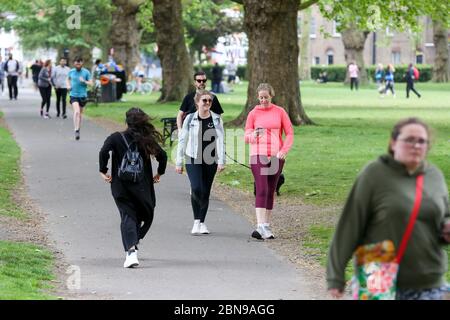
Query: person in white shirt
x,y
12,68
59,79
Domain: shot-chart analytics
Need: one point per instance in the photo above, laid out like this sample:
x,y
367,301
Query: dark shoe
x,y
64,116
257,234
77,135
42,113
57,115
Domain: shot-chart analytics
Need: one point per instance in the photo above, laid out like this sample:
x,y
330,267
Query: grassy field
x,y
352,128
9,174
25,269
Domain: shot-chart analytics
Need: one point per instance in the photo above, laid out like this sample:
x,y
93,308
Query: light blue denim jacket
x,y
188,138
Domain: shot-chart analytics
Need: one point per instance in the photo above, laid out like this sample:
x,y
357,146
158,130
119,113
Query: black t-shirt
x,y
35,69
207,140
188,104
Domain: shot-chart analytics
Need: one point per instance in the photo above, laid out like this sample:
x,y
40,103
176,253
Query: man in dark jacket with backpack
x,y
12,68
411,74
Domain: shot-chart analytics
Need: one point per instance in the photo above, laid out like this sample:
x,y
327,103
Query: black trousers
x,y
12,87
136,214
46,94
354,82
201,177
410,87
61,96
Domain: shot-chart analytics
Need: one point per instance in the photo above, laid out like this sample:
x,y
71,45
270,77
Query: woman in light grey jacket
x,y
45,87
201,144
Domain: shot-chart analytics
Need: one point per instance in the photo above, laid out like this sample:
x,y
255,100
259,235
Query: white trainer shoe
x,y
196,227
131,259
267,233
203,229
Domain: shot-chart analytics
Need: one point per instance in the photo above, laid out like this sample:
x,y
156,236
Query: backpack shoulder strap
x,y
125,140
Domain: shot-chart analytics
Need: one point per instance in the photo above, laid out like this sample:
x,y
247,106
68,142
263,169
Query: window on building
x,y
336,25
395,57
419,57
330,56
316,60
312,30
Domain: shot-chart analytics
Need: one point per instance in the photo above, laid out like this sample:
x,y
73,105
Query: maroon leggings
x,y
266,173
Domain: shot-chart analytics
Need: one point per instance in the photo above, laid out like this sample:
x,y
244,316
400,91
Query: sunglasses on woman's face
x,y
201,80
206,100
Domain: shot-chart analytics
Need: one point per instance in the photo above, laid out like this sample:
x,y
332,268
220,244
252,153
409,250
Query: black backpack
x,y
131,168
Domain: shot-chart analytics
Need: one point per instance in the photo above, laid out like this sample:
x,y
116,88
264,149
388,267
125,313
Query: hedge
x,y
336,73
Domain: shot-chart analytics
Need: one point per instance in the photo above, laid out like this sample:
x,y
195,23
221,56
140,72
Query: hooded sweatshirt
x,y
378,208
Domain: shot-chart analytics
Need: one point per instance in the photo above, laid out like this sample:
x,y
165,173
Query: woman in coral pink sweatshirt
x,y
263,131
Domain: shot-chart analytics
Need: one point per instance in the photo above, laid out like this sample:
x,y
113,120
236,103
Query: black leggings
x,y
61,94
46,94
354,81
201,177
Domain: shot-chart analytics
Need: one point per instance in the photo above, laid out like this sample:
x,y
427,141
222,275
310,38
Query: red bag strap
x,y
412,219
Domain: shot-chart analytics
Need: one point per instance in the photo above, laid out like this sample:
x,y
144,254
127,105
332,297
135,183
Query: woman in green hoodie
x,y
378,208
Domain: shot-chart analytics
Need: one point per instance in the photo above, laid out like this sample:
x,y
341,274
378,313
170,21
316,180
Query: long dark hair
x,y
143,132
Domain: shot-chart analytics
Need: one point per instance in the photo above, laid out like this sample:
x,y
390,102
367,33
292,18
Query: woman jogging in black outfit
x,y
45,87
135,200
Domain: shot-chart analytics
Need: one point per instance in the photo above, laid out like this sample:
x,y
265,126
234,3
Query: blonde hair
x,y
266,87
201,93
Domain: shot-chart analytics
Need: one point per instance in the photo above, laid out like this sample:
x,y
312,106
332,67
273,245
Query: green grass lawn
x,y
25,269
9,174
352,129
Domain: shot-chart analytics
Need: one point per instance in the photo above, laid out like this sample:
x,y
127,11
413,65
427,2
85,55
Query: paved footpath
x,y
62,178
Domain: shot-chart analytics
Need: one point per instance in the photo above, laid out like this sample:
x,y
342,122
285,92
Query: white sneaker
x,y
267,233
203,229
131,260
196,227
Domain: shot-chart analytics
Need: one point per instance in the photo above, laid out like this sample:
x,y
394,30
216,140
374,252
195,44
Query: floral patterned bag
x,y
376,265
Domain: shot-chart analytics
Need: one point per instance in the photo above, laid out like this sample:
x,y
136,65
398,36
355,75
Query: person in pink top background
x,y
263,131
353,73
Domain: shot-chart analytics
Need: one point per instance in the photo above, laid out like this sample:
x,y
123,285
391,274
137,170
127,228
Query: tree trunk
x,y
354,41
125,36
271,28
84,53
176,65
441,63
305,59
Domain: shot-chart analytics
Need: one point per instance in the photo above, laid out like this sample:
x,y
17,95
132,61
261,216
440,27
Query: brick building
x,y
384,46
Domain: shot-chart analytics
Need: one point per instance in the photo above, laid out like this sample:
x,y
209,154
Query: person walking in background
x,y
263,131
378,208
410,78
12,68
188,105
201,142
59,80
379,78
216,78
232,69
35,69
389,78
353,72
136,201
77,81
2,75
45,88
